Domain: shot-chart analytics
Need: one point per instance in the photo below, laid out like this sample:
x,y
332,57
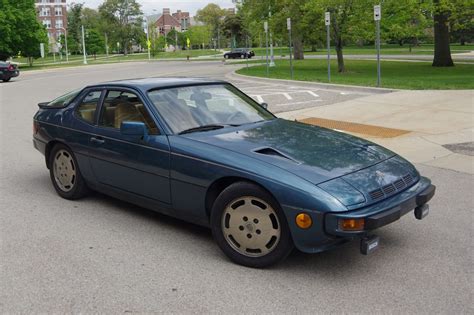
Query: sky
x,y
158,5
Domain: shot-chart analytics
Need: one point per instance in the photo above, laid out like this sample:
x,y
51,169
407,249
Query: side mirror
x,y
134,128
264,105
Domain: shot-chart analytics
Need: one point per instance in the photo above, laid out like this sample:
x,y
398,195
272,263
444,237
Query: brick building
x,y
53,14
179,21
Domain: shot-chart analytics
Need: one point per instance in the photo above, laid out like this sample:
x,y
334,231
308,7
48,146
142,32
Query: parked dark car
x,y
8,70
203,151
239,53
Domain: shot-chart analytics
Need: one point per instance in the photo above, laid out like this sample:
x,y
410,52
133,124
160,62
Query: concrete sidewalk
x,y
440,124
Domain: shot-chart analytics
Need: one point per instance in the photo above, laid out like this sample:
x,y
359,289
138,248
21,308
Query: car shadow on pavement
x,y
342,260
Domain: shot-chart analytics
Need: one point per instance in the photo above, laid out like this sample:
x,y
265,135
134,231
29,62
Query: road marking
x,y
312,93
295,103
288,97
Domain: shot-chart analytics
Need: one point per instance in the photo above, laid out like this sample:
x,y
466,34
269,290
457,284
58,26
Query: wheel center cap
x,y
249,227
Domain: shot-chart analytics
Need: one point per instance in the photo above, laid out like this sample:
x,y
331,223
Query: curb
x,y
326,86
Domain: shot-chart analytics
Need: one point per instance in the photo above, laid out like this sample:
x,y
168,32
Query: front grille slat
x,y
407,179
399,184
376,194
391,188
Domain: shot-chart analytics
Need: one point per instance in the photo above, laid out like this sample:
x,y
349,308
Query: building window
x,y
45,11
58,11
59,24
47,23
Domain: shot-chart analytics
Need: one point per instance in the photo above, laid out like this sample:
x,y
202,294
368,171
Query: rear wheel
x,y
249,226
6,79
65,174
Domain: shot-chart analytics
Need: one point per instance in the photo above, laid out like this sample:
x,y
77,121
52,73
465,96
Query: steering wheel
x,y
233,116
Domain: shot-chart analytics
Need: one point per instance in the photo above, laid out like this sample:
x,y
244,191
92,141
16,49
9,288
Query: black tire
x,y
6,80
282,247
78,187
226,56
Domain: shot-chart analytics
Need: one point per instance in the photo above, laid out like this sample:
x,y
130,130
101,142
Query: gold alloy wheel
x,y
64,170
251,226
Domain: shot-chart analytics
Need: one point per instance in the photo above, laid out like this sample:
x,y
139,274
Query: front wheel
x,y
6,80
250,227
65,174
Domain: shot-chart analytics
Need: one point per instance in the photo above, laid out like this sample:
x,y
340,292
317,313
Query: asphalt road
x,y
102,255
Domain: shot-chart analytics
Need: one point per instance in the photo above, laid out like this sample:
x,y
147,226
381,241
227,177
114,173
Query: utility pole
x,y
148,43
106,47
377,17
288,26
84,46
265,28
272,59
327,22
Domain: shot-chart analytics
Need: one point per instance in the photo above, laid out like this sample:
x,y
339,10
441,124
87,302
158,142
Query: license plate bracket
x,y
369,244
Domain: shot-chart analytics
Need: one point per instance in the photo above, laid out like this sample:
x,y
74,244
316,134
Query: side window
x,y
88,106
122,106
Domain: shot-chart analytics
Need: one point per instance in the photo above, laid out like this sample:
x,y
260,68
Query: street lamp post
x,y
84,46
148,44
272,58
65,40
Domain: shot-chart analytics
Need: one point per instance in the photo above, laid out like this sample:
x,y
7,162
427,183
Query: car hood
x,y
313,153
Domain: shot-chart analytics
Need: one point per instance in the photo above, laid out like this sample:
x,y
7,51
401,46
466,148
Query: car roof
x,y
146,84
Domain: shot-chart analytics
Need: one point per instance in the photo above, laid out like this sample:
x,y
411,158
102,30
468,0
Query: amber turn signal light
x,y
303,221
351,224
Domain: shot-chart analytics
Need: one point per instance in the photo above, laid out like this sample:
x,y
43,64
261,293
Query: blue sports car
x,y
203,151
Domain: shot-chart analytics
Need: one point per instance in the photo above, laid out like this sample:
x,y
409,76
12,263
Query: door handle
x,y
98,140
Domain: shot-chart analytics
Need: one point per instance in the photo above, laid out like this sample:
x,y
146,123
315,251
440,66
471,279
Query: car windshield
x,y
64,99
202,107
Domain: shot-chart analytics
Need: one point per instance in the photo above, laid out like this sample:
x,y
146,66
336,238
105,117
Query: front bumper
x,y
384,212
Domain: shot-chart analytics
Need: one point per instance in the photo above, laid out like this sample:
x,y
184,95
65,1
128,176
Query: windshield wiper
x,y
202,128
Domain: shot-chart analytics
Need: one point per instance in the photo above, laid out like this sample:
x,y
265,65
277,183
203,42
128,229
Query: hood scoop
x,y
274,153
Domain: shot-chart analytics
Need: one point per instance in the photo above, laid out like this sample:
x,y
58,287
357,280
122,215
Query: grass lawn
x,y
369,50
399,75
76,60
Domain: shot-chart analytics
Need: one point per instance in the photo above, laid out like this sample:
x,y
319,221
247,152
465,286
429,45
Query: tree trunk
x,y
442,52
30,61
340,57
462,40
298,48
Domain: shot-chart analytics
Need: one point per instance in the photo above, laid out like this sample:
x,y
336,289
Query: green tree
x,y
462,20
199,35
20,30
74,23
347,19
175,38
212,15
233,29
124,19
94,43
276,12
405,21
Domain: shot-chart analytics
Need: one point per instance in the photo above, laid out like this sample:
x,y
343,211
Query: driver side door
x,y
129,163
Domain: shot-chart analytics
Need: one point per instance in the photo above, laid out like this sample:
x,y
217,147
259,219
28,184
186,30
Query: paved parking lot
x,y
102,255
